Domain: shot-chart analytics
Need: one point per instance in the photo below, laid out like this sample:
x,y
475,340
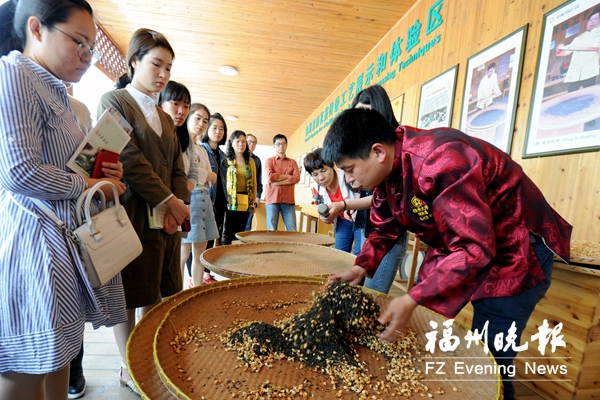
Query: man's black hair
x,y
279,136
354,132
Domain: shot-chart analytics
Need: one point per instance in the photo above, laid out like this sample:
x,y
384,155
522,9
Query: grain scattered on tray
x,y
324,337
585,248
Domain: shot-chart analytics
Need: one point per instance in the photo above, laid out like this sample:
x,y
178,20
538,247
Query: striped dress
x,y
44,298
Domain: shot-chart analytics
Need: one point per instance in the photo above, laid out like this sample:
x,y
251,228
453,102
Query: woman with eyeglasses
x,y
45,295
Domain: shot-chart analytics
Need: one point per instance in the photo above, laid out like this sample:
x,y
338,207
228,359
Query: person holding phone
x,y
154,175
45,295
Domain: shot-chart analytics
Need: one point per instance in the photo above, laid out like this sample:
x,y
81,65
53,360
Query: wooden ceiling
x,y
290,54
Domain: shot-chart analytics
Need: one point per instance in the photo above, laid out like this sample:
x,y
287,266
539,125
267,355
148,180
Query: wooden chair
x,y
413,247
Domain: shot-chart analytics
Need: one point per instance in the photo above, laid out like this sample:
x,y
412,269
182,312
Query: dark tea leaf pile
x,y
325,336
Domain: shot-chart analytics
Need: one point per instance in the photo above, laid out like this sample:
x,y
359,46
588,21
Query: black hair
x,y
230,151
378,99
314,161
8,39
49,12
354,132
140,44
196,106
492,65
175,91
279,136
210,122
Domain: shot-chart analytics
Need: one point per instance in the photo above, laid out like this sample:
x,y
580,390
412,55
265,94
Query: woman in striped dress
x,y
45,295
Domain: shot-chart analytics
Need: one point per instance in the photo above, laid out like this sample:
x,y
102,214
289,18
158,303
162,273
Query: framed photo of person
x,y
565,105
436,100
491,90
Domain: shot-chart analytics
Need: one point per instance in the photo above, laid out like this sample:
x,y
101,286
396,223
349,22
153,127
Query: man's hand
x,y
352,276
283,177
395,316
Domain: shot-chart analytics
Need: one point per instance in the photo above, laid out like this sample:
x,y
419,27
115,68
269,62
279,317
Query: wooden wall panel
x,y
568,181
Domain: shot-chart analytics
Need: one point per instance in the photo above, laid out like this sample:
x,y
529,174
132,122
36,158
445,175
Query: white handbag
x,y
107,241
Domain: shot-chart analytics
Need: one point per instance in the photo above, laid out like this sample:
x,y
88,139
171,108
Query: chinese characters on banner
x,y
450,342
384,69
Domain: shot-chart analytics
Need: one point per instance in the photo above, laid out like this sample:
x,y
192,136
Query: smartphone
x,y
103,156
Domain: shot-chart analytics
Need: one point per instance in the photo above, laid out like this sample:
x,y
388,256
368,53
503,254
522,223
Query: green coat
x,y
152,170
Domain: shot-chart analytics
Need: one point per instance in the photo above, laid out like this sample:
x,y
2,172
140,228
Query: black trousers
x,y
235,221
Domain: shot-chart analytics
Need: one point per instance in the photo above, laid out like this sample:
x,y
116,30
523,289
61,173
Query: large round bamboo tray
x,y
139,346
285,236
210,372
275,258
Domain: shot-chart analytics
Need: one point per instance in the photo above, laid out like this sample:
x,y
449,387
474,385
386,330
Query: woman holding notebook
x,y
154,176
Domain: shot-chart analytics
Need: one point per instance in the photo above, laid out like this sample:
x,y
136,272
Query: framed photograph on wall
x,y
491,90
398,108
565,105
300,162
436,101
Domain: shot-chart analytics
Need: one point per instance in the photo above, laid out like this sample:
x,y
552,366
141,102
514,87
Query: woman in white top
x,y
204,225
333,188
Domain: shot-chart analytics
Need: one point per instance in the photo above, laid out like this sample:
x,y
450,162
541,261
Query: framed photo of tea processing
x,y
436,100
565,105
491,90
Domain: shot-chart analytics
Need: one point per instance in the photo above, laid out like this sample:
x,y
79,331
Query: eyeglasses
x,y
280,144
84,49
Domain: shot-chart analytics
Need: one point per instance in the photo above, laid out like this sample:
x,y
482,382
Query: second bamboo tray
x,y
276,258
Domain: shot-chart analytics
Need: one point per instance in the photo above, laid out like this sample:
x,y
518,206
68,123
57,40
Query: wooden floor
x,y
101,363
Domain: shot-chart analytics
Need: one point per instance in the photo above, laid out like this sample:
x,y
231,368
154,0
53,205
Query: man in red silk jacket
x,y
487,225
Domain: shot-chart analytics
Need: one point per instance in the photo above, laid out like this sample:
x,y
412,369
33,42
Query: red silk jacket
x,y
474,206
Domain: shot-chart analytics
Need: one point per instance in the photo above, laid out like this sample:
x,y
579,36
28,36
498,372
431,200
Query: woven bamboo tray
x,y
276,258
210,372
285,236
139,346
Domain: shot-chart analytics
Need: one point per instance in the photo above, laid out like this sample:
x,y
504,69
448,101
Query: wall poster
x,y
437,100
565,107
398,108
491,90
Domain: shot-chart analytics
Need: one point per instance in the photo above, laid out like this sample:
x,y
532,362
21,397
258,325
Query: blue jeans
x,y
502,311
288,213
386,272
249,223
345,235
